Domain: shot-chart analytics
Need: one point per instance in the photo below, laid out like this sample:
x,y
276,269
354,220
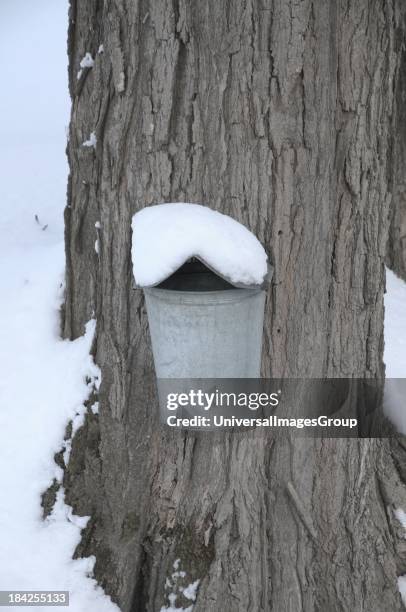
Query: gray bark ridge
x,y
396,259
277,113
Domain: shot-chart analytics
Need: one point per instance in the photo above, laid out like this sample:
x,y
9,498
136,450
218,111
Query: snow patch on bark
x,y
91,142
86,62
189,592
401,516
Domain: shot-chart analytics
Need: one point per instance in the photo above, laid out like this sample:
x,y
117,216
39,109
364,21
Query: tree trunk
x,y
397,232
279,114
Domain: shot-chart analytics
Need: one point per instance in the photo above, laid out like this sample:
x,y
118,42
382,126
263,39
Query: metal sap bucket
x,y
202,326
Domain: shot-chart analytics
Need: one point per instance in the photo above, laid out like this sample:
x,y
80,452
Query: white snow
x,y
42,378
395,402
402,588
189,592
395,326
395,359
91,142
395,351
87,61
165,236
401,516
97,242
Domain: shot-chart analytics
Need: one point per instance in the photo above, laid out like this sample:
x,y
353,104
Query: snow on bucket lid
x,y
166,236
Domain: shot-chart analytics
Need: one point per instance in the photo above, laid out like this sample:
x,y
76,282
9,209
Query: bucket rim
x,y
218,296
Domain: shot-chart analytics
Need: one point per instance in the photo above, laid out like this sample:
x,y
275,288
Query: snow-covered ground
x,y
42,378
395,327
395,355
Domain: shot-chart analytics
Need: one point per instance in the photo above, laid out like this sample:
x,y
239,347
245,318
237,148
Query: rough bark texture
x,y
397,233
278,113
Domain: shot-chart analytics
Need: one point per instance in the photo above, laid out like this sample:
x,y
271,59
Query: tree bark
x,y
279,114
396,259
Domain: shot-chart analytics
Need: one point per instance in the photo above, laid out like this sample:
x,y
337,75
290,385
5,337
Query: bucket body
x,y
206,333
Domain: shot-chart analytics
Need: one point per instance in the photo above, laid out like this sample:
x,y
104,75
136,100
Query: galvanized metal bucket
x,y
202,326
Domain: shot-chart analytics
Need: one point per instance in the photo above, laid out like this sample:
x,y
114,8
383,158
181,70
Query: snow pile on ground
x,y
395,402
395,326
42,386
402,588
165,236
395,351
42,378
395,360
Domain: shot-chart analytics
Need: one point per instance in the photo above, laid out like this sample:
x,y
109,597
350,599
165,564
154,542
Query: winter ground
x,y
42,377
395,327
